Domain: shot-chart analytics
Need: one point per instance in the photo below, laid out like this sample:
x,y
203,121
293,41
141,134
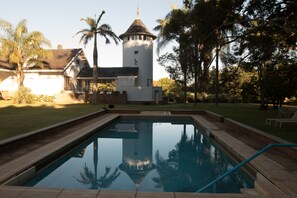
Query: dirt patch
x,y
68,98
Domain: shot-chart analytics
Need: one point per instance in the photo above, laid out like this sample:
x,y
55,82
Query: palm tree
x,y
22,49
90,33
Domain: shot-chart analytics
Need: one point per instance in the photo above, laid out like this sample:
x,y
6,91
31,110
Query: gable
x,y
60,60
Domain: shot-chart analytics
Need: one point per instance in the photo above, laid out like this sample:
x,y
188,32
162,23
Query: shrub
x,y
43,98
190,97
23,95
291,100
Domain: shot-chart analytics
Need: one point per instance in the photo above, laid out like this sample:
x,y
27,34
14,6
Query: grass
x,y
18,119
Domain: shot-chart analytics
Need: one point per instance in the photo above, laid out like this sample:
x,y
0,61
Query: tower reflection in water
x,y
184,160
137,149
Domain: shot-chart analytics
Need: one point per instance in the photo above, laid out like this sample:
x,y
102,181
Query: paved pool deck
x,y
274,179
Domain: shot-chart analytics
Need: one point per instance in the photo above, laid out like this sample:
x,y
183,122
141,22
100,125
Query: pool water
x,y
145,155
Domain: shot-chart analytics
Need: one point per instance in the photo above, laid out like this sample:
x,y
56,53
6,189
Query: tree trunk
x,y
20,76
217,75
95,73
262,99
21,79
196,64
185,87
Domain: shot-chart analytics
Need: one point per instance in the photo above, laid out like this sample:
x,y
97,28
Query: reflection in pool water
x,y
145,155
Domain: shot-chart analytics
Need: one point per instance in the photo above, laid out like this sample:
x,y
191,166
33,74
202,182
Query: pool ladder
x,y
241,164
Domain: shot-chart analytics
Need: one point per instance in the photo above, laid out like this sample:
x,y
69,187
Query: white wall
x,y
39,83
8,81
142,93
124,81
144,58
44,83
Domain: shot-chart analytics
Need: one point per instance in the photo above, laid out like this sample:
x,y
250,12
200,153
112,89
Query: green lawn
x,y
18,119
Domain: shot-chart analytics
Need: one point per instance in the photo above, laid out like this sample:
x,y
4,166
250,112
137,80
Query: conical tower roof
x,y
137,176
137,28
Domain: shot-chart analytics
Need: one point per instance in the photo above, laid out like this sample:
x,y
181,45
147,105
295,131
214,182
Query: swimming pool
x,y
147,154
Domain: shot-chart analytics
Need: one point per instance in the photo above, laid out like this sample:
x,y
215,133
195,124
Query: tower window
x,y
144,37
149,82
128,38
140,37
135,57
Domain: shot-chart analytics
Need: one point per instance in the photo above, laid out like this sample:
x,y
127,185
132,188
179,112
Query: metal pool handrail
x,y
247,160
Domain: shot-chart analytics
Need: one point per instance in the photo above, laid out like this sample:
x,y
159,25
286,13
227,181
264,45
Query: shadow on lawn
x,y
19,119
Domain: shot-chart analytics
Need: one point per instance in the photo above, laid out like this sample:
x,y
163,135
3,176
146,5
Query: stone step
x,y
249,191
268,189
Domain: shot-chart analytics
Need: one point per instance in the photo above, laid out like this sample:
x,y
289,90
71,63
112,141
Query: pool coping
x,y
279,182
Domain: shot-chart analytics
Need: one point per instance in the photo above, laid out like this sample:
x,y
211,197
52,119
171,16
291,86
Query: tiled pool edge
x,y
277,180
259,134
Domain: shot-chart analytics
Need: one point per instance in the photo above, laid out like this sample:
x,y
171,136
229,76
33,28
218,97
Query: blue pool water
x,y
146,155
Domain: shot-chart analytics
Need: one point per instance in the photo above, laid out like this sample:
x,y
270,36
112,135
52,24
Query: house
x,y
58,73
69,70
135,77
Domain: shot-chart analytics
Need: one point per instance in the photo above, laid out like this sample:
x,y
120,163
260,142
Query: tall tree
x,y
94,29
22,49
269,39
214,22
174,28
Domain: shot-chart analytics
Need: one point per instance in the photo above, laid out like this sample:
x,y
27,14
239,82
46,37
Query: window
x,y
149,82
135,57
67,83
144,37
78,61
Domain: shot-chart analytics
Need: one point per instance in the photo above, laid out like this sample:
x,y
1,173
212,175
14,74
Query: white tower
x,y
138,52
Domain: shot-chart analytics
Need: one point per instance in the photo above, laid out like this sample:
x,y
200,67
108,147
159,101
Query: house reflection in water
x,y
137,150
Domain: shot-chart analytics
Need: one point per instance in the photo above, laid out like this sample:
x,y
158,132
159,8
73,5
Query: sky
x,y
59,21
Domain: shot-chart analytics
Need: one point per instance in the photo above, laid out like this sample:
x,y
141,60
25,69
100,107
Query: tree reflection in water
x,y
89,177
194,163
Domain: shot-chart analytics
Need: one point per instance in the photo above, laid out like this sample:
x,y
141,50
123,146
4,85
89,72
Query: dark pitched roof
x,y
105,72
59,60
137,27
5,65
